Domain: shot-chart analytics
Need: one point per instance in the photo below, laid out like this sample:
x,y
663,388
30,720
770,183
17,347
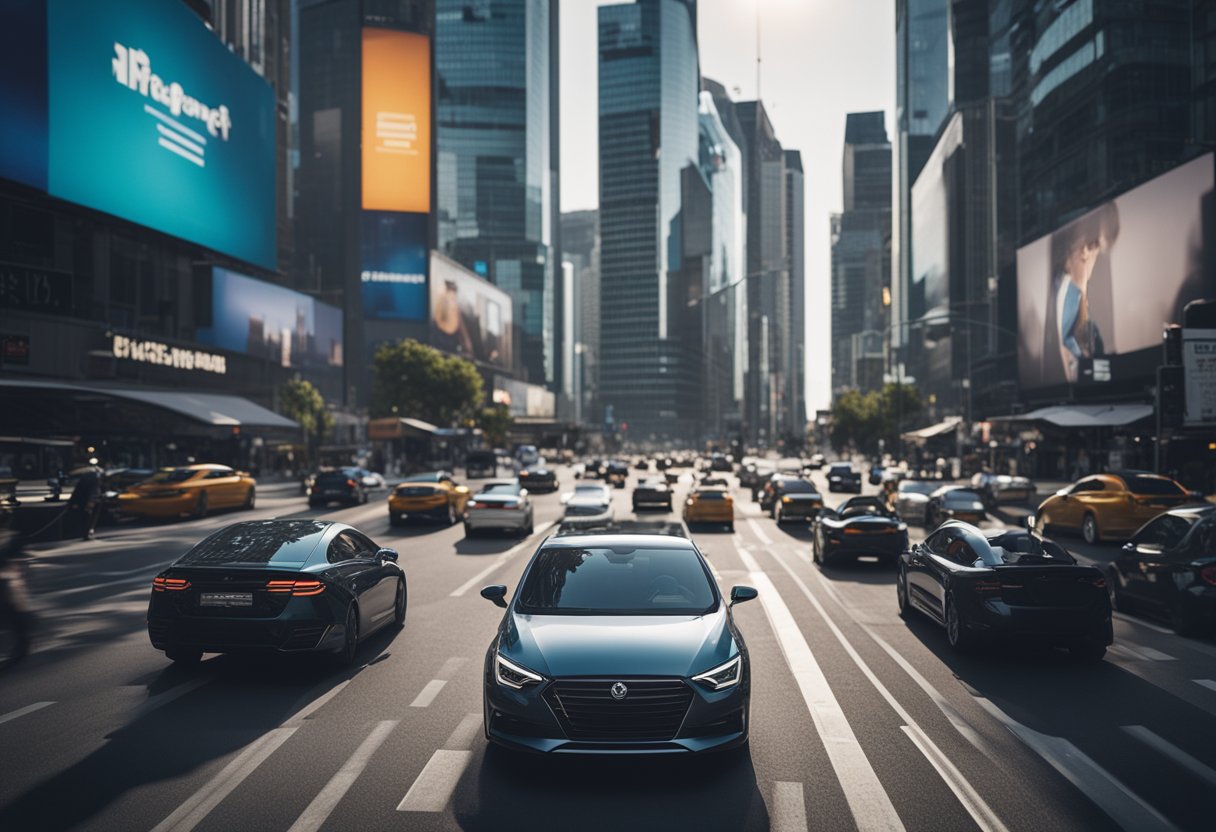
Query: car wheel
x,y
250,499
730,527
901,593
1118,601
200,505
777,515
1089,529
399,606
468,530
961,639
350,642
1087,652
184,656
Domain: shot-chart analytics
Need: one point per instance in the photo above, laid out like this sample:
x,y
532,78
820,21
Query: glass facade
x,y
496,188
648,133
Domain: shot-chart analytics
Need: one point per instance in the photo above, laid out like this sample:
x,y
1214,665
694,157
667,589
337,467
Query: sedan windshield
x,y
617,581
501,488
1157,486
270,541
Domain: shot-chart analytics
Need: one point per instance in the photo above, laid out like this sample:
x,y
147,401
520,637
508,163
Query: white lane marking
x,y
1154,655
499,562
1167,749
313,706
788,812
190,813
161,699
1140,653
435,784
1120,803
868,801
20,712
983,815
450,667
427,695
1204,683
465,733
1130,620
759,532
327,799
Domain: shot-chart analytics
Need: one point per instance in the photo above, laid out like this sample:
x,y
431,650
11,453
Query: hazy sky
x,y
821,60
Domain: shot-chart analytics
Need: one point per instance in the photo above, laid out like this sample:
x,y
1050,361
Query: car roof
x,y
429,476
664,541
203,466
311,532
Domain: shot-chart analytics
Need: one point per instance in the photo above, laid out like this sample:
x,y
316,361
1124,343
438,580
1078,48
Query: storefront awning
x,y
212,409
1083,415
940,429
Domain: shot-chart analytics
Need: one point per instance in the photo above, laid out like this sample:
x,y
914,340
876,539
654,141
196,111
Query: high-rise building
x,y
649,81
795,234
497,194
861,256
581,249
768,284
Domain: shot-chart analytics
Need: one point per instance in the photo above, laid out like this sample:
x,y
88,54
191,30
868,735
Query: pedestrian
x,y
84,506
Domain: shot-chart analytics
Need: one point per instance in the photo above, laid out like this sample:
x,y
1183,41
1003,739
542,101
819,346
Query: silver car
x,y
588,506
503,505
911,500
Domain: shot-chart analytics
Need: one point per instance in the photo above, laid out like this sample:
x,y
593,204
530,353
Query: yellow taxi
x,y
710,504
1110,506
189,491
432,496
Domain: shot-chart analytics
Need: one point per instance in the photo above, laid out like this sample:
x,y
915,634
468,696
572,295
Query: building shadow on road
x,y
716,791
864,570
487,544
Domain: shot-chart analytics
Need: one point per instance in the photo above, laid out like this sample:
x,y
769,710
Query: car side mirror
x,y
739,594
496,594
387,554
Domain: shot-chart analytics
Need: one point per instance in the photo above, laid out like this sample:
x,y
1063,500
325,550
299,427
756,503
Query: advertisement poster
x,y
396,121
1199,371
394,259
1101,287
470,316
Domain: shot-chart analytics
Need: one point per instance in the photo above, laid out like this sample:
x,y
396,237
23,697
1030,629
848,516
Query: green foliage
x,y
301,402
414,380
495,423
860,420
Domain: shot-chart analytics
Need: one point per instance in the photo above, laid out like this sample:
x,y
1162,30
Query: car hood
x,y
617,645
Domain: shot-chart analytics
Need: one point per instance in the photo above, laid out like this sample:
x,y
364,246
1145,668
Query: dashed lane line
x,y
467,731
868,800
433,787
499,561
449,668
1139,653
1203,683
983,815
788,812
316,704
1173,752
20,712
428,693
161,699
759,532
327,799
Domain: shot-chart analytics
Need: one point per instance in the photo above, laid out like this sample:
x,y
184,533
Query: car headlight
x,y
508,674
723,676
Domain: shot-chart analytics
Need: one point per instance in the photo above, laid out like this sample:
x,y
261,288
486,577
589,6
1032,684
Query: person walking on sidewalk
x,y
84,506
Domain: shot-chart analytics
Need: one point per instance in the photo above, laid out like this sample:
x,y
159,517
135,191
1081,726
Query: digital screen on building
x,y
146,116
1094,295
261,319
470,316
396,121
394,260
929,289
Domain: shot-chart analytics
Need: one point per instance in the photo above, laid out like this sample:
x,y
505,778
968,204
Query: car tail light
x,y
1099,582
297,587
987,586
169,584
851,530
1208,575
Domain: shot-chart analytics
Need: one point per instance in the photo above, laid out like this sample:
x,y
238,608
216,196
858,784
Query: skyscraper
x,y
795,235
581,249
649,81
861,259
497,190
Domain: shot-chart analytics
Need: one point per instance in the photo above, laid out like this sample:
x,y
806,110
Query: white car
x,y
588,505
503,505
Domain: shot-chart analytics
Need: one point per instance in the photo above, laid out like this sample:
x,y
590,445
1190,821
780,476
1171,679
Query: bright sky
x,y
821,60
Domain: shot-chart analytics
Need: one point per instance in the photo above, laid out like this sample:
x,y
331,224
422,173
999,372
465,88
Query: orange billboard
x,y
396,121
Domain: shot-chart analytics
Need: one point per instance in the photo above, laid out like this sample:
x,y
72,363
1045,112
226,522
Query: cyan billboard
x,y
152,119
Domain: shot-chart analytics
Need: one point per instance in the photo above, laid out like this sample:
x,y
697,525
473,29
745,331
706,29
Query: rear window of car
x,y
1157,486
798,487
415,491
916,487
256,543
711,495
841,469
961,496
1023,548
500,488
336,476
176,475
618,580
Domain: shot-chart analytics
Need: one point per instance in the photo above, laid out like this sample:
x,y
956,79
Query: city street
x,y
859,719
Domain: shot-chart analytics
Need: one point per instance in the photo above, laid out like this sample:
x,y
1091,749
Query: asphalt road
x,y
859,719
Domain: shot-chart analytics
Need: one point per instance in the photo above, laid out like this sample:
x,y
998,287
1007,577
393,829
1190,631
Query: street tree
x,y
302,402
495,423
412,379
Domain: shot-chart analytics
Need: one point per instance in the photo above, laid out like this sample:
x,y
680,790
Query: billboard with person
x,y
470,316
1094,295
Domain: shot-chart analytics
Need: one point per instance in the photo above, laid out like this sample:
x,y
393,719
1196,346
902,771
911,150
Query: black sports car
x,y
794,499
842,477
950,502
860,526
342,485
538,479
652,492
1169,568
1008,584
614,644
276,585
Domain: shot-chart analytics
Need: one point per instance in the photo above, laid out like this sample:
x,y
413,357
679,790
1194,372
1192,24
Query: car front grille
x,y
652,710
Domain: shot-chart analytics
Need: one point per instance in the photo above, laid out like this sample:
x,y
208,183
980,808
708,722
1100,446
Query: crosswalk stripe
x,y
435,784
190,813
1205,683
789,808
20,712
323,804
427,695
759,532
1167,749
867,799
